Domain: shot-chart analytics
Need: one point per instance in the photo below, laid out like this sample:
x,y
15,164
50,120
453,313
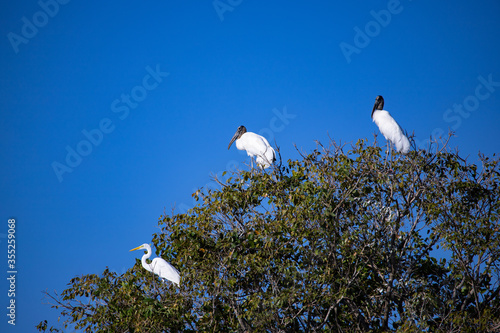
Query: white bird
x,y
255,146
389,128
158,265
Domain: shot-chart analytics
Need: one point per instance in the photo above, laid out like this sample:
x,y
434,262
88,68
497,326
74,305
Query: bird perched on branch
x,y
389,128
255,146
158,265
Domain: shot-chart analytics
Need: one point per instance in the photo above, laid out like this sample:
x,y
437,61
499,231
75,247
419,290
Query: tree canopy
x,y
343,239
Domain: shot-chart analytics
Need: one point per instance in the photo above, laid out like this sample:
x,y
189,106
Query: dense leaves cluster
x,y
337,241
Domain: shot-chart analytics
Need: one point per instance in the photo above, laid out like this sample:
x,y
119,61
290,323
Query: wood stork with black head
x,y
255,146
389,128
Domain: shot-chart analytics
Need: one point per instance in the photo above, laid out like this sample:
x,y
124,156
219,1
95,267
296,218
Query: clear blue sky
x,y
161,86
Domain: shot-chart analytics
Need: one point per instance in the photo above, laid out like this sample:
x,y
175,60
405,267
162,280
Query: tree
x,y
337,241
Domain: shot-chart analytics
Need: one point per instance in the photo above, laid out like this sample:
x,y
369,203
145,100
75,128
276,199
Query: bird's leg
x,y
391,148
251,165
266,160
387,151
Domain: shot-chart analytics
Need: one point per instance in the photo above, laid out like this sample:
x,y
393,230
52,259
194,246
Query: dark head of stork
x,y
239,132
379,104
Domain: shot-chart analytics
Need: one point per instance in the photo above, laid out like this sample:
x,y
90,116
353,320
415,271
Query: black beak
x,y
379,104
374,107
239,132
235,136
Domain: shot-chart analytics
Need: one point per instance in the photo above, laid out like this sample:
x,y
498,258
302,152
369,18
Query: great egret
x,y
158,265
255,146
389,128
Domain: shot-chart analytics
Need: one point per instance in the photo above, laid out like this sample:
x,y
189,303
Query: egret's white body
x,y
255,145
389,128
158,265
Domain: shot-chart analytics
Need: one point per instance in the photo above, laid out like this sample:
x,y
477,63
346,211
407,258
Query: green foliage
x,y
336,241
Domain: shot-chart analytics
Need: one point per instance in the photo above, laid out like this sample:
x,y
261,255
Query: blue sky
x,y
160,87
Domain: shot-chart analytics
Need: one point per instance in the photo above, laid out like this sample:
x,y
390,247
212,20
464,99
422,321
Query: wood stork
x,y
389,128
158,265
255,146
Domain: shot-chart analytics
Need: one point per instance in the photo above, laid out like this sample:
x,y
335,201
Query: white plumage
x,y
389,128
255,146
158,265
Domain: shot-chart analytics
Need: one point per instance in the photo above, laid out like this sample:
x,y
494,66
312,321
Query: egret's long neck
x,y
144,263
